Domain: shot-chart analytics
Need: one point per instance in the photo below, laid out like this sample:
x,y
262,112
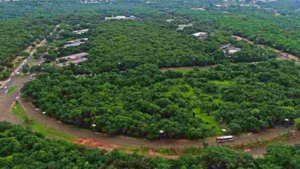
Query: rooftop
x,y
78,56
81,31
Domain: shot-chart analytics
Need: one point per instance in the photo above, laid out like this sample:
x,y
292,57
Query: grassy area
x,y
39,127
226,82
210,122
11,90
289,108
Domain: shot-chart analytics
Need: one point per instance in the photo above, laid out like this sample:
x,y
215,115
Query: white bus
x,y
224,139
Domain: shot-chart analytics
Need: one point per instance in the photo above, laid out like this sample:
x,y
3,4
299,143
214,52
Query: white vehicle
x,y
8,79
224,139
5,87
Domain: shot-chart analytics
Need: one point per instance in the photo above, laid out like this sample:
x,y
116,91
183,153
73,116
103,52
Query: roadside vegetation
x,y
21,148
11,90
40,127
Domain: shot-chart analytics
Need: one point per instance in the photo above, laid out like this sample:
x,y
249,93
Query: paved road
x,y
5,114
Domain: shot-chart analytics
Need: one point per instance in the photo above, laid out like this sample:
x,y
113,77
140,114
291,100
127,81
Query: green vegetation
x,y
145,100
11,90
297,123
21,148
39,127
209,121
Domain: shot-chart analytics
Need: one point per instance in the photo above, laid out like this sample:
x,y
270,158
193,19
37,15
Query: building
x,y
76,42
75,59
75,56
225,46
198,9
229,49
117,18
79,32
75,62
170,20
133,17
181,27
201,35
233,50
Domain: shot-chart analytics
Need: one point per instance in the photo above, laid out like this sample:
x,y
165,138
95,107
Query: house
x,y
229,49
198,9
170,20
76,42
133,17
201,35
76,62
79,32
75,59
117,18
181,27
233,50
75,56
79,61
73,44
225,46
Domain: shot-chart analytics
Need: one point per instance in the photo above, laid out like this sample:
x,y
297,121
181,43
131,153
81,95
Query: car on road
x,y
5,87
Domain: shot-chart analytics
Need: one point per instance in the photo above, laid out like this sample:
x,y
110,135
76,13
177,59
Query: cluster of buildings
x,y
75,59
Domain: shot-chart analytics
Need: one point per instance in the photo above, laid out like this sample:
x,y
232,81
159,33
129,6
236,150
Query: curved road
x,y
6,115
120,140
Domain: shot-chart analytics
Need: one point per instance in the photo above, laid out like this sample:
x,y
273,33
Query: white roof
x,y
200,33
232,51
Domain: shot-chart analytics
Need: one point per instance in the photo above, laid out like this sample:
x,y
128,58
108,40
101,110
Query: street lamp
x,y
286,121
44,113
160,134
94,126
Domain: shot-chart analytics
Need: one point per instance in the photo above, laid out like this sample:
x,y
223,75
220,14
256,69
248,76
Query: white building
x,y
117,18
200,35
79,32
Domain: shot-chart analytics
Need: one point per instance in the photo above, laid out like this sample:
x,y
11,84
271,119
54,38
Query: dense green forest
x,y
22,149
143,100
123,89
